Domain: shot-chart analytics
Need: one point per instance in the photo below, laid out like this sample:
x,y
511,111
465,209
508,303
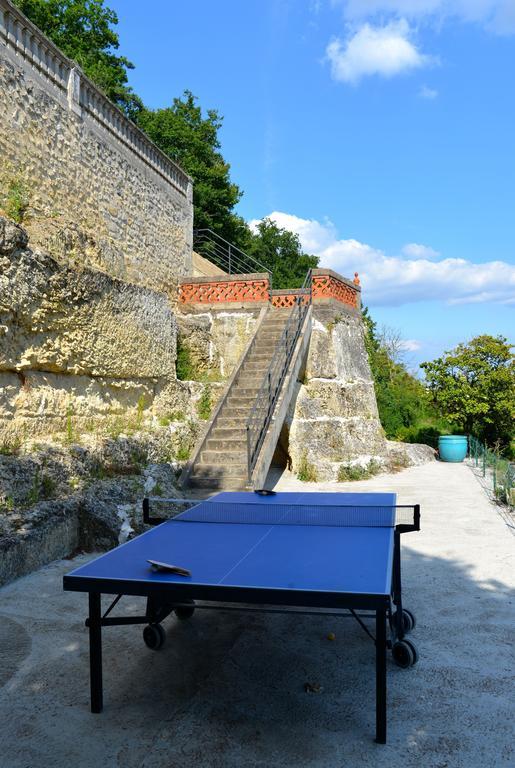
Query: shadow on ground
x,y
228,689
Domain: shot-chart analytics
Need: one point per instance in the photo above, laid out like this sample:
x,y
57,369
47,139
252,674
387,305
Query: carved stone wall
x,y
100,193
75,343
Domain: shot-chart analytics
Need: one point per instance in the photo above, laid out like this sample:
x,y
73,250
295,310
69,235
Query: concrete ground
x,y
227,690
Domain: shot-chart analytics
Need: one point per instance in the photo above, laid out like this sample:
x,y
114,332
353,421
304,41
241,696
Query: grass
x,y
306,472
185,369
170,418
204,404
7,504
69,424
17,200
183,453
10,446
188,370
350,473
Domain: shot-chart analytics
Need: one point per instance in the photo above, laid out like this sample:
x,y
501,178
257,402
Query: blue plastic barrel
x,y
452,447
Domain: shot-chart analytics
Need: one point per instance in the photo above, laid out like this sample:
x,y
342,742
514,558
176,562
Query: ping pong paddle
x,y
265,492
167,568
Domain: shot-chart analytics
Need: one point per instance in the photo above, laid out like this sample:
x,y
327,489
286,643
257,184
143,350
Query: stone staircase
x,y
222,462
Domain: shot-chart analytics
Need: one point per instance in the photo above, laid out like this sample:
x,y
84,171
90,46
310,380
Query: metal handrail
x,y
266,399
225,255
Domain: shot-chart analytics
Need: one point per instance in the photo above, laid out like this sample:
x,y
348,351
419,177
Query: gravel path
x,y
229,692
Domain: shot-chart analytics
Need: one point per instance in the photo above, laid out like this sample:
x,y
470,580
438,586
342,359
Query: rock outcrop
x,y
333,424
76,346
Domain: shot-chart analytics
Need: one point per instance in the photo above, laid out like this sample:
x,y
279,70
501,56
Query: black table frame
x,y
163,599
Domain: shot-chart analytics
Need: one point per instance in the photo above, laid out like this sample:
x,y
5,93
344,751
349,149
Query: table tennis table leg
x,y
95,651
381,676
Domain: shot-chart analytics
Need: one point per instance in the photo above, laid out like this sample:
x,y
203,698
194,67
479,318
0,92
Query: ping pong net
x,y
401,517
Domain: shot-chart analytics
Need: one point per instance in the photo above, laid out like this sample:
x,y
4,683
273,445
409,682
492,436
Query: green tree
x,y
473,386
281,251
83,30
401,398
191,139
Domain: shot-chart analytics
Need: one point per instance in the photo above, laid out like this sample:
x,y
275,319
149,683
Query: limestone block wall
x,y
100,193
333,420
214,340
76,344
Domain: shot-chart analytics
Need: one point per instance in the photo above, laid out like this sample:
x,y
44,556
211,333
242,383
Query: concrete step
x,y
256,365
231,422
244,391
231,413
218,471
225,457
235,401
269,334
261,361
219,484
232,445
229,433
248,380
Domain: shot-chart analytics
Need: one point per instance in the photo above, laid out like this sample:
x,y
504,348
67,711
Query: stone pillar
x,y
74,91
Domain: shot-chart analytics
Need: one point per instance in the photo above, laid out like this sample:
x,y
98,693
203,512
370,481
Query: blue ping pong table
x,y
330,553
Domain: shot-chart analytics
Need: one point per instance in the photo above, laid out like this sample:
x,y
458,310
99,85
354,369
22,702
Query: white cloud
x,y
496,15
385,51
417,251
410,345
428,93
315,236
395,280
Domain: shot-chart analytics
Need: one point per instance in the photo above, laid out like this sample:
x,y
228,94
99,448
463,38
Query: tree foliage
x,y
401,398
83,30
191,139
473,386
280,251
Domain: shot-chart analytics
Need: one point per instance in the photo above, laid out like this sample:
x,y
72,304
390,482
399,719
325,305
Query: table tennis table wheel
x,y
184,612
154,636
409,621
404,653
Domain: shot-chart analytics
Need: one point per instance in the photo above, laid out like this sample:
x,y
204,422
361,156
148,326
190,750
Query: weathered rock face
x,y
55,499
333,422
214,341
59,320
76,345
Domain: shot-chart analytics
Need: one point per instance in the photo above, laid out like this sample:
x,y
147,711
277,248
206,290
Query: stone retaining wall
x,y
76,342
99,192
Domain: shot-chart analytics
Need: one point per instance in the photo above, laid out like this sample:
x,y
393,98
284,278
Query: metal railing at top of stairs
x,y
266,399
225,255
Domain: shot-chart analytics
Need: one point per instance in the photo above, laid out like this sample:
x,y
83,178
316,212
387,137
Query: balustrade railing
x,y
83,96
225,255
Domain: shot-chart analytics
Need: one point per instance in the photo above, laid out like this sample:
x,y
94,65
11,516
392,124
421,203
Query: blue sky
x,y
382,131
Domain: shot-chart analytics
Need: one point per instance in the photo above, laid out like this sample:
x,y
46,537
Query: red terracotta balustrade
x,y
243,288
326,285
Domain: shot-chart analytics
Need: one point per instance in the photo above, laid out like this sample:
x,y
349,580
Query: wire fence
x,y
497,472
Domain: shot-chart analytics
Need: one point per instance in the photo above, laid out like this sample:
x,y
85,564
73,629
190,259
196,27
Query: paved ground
x,y
229,692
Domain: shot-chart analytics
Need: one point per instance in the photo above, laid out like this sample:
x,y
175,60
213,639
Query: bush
x,y
307,472
352,472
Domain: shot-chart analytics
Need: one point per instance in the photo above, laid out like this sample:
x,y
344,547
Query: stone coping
x,y
225,278
36,49
320,272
